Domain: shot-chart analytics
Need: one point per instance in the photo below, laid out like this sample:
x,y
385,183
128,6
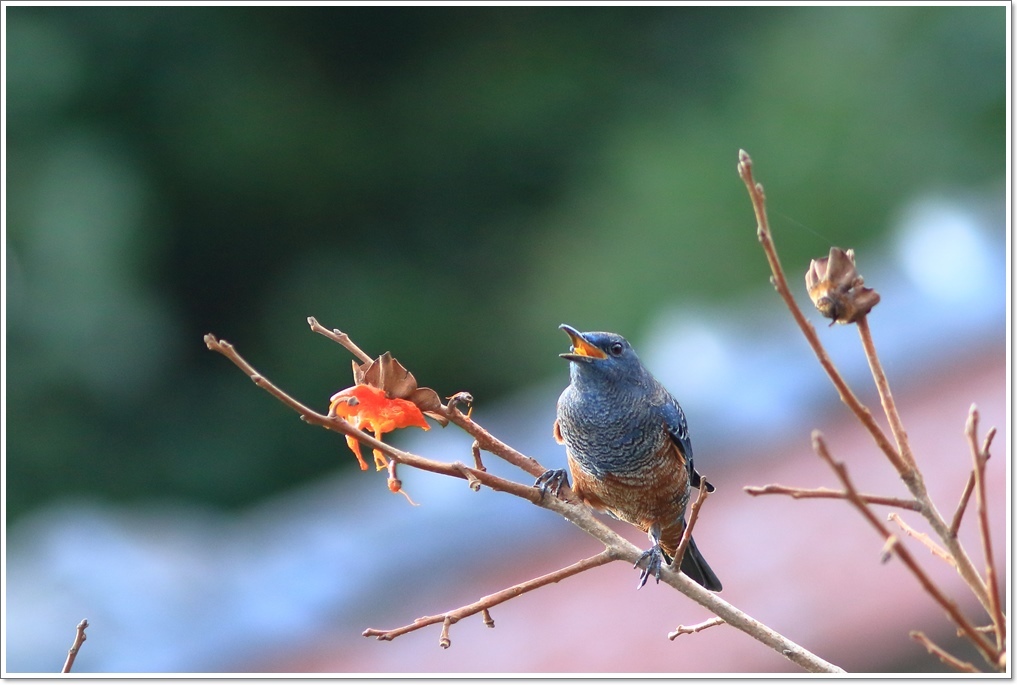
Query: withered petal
x,y
425,399
397,382
816,273
841,268
387,374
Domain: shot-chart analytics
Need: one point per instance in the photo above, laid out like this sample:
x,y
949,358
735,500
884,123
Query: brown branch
x,y
914,479
489,443
579,515
340,337
910,475
969,485
960,511
485,603
338,425
695,628
979,459
939,652
884,390
827,493
694,512
475,449
989,652
472,481
763,233
79,638
925,539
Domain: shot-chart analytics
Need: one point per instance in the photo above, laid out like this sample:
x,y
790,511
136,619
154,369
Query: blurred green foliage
x,y
448,183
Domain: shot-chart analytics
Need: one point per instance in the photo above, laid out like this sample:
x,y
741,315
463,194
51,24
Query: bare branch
x,y
827,493
979,458
952,661
884,389
989,652
960,511
763,233
969,485
472,481
340,337
695,628
904,466
489,443
79,638
934,548
475,449
485,603
338,425
694,512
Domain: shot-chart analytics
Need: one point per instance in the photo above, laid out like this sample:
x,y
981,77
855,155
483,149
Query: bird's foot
x,y
552,479
655,558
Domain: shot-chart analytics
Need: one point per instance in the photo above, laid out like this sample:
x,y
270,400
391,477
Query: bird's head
x,y
601,355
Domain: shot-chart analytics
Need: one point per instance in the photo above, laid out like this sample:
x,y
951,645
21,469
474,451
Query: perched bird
x,y
628,449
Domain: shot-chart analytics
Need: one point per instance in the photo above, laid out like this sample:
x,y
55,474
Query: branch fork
x,y
837,291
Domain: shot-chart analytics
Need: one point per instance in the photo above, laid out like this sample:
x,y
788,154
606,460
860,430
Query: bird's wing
x,y
675,422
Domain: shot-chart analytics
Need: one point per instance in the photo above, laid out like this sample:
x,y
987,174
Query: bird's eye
x,y
616,349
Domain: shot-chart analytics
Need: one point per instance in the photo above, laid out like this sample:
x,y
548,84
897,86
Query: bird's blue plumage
x,y
628,446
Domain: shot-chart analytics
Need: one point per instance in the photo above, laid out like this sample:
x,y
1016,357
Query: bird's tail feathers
x,y
695,566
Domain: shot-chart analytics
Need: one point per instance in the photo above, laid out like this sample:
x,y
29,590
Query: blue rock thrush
x,y
628,449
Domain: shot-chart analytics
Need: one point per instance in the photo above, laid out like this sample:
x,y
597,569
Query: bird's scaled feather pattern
x,y
628,447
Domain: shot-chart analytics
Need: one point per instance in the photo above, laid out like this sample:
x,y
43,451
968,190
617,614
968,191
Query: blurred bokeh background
x,y
450,184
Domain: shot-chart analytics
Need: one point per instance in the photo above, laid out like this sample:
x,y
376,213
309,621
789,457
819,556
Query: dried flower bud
x,y
836,288
389,375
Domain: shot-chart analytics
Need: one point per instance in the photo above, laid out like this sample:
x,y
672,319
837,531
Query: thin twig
x,y
939,652
948,534
884,390
475,449
485,603
472,481
979,459
988,651
960,511
828,493
489,443
79,638
695,628
694,512
340,337
934,548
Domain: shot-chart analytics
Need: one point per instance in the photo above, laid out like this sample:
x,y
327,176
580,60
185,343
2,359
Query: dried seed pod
x,y
836,288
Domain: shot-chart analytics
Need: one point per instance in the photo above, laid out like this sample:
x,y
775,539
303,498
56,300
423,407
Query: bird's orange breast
x,y
657,493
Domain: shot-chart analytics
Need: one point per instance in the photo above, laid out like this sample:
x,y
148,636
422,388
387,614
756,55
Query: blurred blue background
x,y
450,184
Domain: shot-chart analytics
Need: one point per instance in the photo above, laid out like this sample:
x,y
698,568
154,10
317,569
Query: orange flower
x,y
369,408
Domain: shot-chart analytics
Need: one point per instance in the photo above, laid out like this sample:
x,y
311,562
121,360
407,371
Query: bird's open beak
x,y
582,350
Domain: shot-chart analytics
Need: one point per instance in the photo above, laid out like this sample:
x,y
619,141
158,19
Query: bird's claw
x,y
655,558
552,479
